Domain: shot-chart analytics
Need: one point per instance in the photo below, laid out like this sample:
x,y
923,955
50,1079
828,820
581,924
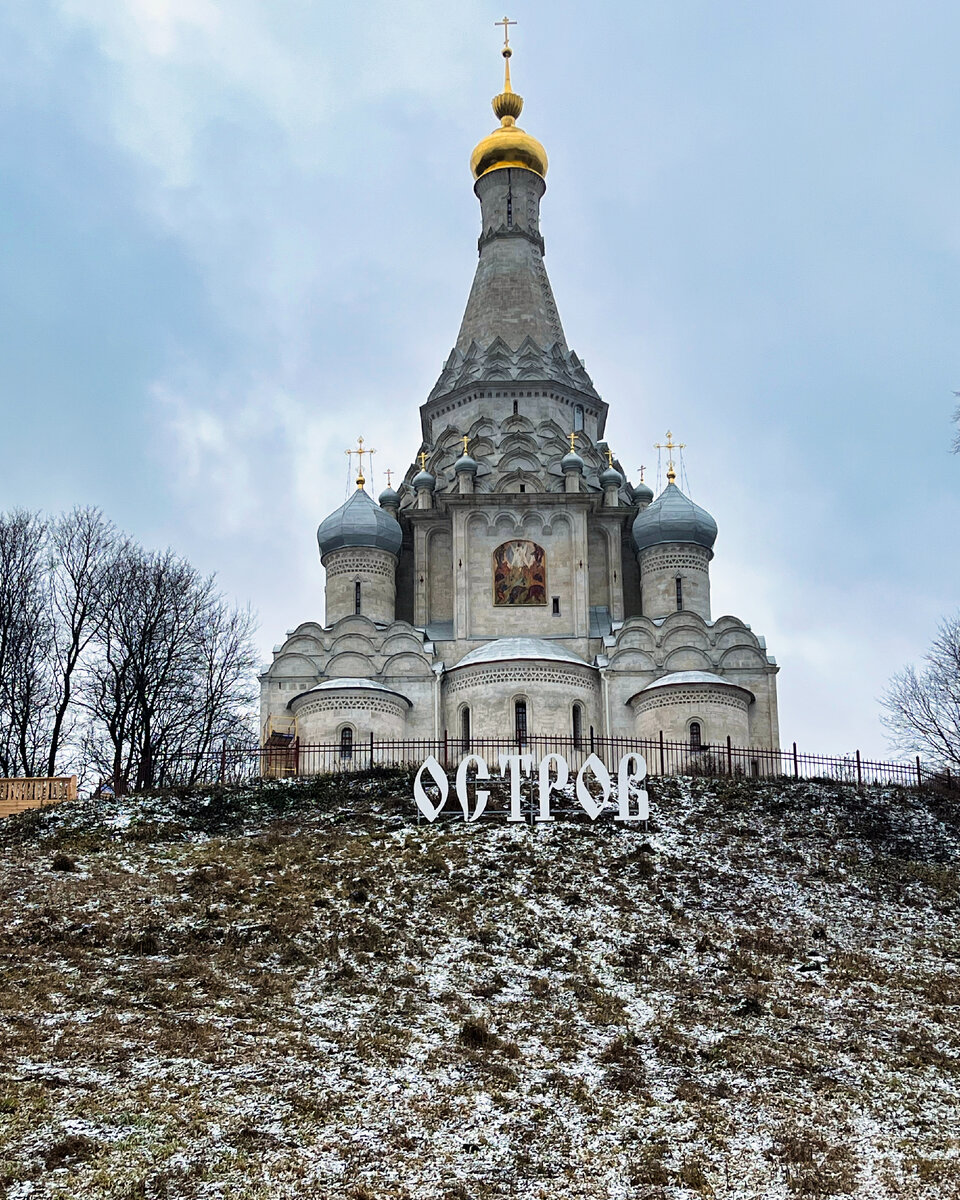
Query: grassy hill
x,y
298,991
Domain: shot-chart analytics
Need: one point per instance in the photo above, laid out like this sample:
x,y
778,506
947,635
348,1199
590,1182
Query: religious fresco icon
x,y
519,573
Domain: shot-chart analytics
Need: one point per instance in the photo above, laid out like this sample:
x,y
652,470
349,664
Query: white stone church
x,y
516,583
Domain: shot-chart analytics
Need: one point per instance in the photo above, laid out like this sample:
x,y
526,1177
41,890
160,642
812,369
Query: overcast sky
x,y
239,233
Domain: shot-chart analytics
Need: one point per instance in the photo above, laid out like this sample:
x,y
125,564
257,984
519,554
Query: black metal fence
x,y
295,759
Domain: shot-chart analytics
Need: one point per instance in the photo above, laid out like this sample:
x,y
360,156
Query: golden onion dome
x,y
508,146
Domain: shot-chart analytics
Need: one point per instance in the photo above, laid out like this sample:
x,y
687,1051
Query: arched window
x,y
695,742
356,597
520,720
679,594
346,741
578,418
465,728
578,726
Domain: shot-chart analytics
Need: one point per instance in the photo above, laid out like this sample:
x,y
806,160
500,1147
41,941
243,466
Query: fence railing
x,y
296,759
17,795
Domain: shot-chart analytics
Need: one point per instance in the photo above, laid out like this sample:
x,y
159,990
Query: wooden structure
x,y
17,795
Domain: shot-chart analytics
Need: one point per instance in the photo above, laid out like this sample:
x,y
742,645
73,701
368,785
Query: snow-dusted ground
x,y
301,992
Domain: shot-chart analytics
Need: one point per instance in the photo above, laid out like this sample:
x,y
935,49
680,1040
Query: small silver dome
x,y
611,477
673,517
389,496
359,522
466,465
641,493
572,461
423,479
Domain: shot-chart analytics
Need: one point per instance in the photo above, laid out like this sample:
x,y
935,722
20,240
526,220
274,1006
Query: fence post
x,y
859,774
223,760
663,769
729,756
919,776
371,749
592,744
446,750
796,764
296,756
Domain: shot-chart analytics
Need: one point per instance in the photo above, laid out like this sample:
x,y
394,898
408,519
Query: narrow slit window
x,y
577,726
520,720
695,742
516,408
556,606
346,743
679,594
578,418
523,487
356,596
465,729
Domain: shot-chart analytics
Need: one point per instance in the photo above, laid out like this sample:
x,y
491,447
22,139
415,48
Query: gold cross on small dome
x,y
573,442
360,452
423,460
669,445
389,474
466,442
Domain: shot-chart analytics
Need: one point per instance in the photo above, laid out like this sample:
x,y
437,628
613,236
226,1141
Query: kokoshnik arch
x,y
516,583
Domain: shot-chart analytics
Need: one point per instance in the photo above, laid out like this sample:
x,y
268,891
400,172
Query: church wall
x,y
598,565
321,720
630,578
404,577
659,568
376,572
477,536
722,713
550,689
439,548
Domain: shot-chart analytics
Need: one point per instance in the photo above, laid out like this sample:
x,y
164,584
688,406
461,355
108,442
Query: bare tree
x,y
26,692
80,558
923,707
170,674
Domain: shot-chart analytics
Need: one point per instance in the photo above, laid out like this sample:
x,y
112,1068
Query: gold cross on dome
x,y
423,460
360,452
609,457
466,442
506,23
642,469
389,475
669,445
573,442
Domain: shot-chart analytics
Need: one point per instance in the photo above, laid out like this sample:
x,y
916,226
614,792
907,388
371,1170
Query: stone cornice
x,y
511,231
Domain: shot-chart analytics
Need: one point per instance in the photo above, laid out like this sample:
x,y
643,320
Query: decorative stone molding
x,y
658,559
529,676
347,701
509,231
377,563
686,697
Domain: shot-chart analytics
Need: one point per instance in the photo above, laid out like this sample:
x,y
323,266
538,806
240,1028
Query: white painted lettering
x,y
482,796
517,765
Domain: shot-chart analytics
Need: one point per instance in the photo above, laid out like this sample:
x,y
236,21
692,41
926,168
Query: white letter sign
x,y
591,807
546,787
436,773
482,797
626,781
